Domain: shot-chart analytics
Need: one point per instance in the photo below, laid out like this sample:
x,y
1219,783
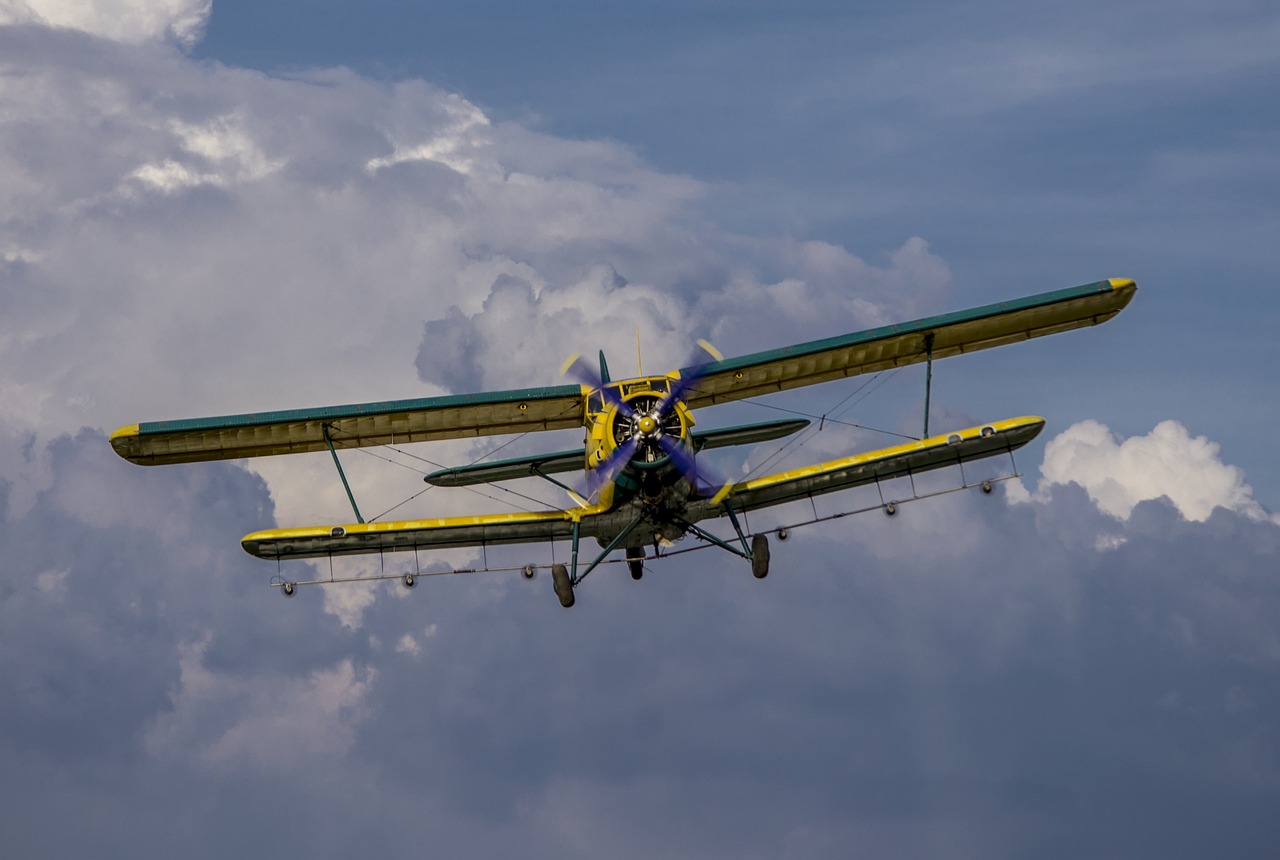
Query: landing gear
x,y
635,561
760,555
560,581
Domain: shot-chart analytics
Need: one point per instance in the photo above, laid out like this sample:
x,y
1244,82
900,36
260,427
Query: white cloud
x,y
408,645
266,721
348,601
53,582
130,21
1168,462
218,152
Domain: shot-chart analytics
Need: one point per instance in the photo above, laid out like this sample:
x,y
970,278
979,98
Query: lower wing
x,y
936,452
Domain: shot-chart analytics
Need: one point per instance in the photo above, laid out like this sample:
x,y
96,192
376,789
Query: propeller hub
x,y
647,424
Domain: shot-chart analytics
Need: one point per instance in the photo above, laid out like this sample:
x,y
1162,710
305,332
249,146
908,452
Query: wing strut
x,y
613,544
928,379
341,474
710,538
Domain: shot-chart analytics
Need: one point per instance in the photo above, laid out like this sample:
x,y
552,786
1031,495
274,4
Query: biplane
x,y
645,486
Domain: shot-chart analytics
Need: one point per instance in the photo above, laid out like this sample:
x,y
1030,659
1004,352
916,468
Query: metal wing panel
x,y
443,533
905,343
356,425
936,452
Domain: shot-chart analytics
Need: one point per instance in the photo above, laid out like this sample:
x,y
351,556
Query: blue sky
x,y
238,207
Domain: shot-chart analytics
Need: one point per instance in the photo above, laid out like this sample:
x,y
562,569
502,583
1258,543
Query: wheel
x,y
560,582
890,508
760,556
635,562
529,571
287,588
409,580
986,487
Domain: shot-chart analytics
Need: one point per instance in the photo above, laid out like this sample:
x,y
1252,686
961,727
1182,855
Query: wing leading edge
x,y
908,343
299,431
442,533
936,452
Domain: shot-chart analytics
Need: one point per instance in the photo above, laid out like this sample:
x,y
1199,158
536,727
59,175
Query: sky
x,y
213,207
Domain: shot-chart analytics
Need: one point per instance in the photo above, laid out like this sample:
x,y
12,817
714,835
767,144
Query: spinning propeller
x,y
647,426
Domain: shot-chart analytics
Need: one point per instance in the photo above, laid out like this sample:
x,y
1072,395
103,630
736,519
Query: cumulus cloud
x,y
262,721
130,21
1168,463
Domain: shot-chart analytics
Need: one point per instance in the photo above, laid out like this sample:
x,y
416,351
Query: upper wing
x,y
936,452
393,421
907,343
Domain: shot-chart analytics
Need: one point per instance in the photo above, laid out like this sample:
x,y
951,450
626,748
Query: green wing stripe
x,y
905,343
386,422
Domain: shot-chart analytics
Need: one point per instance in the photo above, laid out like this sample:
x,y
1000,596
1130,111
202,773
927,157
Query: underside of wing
x,y
569,461
442,533
509,470
298,431
907,343
936,452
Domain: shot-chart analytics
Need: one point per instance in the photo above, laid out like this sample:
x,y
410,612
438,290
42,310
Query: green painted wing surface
x,y
388,422
907,343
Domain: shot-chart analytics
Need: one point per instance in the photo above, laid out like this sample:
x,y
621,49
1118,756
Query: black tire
x,y
635,562
760,556
560,582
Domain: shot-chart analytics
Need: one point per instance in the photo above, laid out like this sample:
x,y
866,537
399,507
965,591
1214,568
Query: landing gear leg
x,y
760,555
635,561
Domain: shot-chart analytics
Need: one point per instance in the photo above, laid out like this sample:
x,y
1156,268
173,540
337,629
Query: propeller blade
x,y
612,465
579,369
688,466
686,381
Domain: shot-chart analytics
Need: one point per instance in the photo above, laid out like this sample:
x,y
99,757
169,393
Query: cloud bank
x,y
129,21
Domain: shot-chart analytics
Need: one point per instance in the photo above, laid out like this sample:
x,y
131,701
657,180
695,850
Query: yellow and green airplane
x,y
640,451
